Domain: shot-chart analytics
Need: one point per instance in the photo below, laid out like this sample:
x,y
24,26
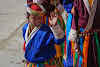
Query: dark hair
x,y
48,7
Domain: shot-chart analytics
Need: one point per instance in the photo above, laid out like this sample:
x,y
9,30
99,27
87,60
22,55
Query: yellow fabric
x,y
58,50
27,65
72,11
73,52
90,2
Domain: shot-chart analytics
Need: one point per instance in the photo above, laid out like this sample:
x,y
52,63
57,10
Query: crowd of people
x,y
62,33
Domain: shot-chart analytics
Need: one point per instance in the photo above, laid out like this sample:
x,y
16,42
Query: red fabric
x,y
35,7
65,44
24,46
46,65
80,15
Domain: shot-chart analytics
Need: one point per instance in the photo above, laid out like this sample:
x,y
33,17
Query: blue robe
x,y
68,5
41,47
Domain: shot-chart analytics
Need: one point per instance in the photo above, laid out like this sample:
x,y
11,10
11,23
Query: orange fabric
x,y
58,50
73,52
28,65
85,51
90,2
33,65
44,20
72,11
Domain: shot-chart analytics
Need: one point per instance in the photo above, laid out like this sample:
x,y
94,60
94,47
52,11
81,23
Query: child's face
x,y
35,20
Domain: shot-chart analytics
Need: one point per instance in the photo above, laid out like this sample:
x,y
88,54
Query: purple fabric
x,y
96,23
80,16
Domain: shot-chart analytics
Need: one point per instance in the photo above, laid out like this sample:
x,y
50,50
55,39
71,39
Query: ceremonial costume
x,y
94,49
39,42
84,50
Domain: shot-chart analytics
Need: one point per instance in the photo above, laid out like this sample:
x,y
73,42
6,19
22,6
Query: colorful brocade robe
x,y
42,40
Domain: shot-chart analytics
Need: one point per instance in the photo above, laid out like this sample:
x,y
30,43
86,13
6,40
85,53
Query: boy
x,y
40,38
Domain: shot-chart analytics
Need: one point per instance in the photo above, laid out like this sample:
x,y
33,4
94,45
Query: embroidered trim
x,y
31,35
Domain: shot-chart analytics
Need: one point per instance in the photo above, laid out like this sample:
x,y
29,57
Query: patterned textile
x,y
54,62
67,4
69,59
49,63
80,60
89,45
60,48
80,19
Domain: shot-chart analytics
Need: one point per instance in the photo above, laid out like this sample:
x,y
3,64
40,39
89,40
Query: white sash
x,y
86,3
28,38
91,11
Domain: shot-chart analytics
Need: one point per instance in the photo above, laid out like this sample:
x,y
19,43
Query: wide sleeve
x,y
24,30
58,34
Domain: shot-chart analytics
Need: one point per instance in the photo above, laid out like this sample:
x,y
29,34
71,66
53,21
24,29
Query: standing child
x,y
40,38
